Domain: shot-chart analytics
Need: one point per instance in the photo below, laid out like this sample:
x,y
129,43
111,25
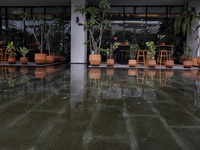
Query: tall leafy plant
x,y
41,34
152,49
183,24
133,50
95,20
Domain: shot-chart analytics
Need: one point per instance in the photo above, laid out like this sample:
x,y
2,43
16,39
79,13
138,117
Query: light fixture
x,y
77,19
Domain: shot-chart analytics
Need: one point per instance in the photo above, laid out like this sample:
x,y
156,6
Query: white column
x,y
191,37
78,80
78,35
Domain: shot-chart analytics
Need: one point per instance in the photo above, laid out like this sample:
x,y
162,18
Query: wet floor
x,y
72,107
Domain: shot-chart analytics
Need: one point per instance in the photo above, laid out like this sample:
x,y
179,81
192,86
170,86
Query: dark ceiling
x,y
68,2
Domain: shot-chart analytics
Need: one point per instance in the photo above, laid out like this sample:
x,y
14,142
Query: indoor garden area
x,y
65,102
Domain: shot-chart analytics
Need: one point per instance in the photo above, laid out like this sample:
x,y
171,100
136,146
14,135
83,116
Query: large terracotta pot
x,y
11,60
40,72
95,59
194,62
132,63
187,64
151,63
94,73
110,62
24,60
40,59
50,59
169,63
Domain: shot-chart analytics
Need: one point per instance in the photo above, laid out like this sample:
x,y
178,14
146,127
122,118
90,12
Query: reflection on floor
x,y
79,108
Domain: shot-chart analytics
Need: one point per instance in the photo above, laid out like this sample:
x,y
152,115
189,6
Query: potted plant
x,y
23,51
184,24
50,58
39,31
133,50
151,53
170,62
109,61
12,54
94,23
187,63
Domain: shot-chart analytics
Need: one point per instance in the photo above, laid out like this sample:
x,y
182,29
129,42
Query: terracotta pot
x,y
62,58
11,60
169,63
198,61
50,59
95,59
110,62
151,63
24,70
132,63
40,72
40,59
57,57
194,73
194,62
187,64
110,72
12,69
24,60
94,73
186,73
132,72
50,69
151,73
198,76
169,73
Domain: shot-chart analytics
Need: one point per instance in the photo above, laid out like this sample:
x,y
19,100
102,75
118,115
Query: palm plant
x,y
23,51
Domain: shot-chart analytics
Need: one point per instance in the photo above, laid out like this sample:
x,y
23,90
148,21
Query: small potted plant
x,y
170,62
151,53
133,50
110,61
23,51
187,63
12,54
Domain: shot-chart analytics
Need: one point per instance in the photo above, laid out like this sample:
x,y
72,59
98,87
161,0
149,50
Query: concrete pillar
x,y
191,37
78,80
78,35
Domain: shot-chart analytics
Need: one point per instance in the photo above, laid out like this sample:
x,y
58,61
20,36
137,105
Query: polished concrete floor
x,y
73,107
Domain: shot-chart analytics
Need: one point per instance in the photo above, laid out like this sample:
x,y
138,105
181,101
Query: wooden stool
x,y
141,54
162,56
6,55
1,54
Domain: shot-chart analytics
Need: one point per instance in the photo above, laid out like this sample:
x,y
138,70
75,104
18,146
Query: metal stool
x,y
162,56
141,54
